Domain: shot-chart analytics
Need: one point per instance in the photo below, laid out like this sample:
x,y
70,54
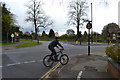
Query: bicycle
x,y
48,60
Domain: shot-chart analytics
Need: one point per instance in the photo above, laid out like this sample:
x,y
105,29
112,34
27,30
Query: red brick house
x,y
113,32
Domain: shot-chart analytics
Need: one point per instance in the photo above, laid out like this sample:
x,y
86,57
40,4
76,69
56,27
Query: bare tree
x,y
37,15
77,13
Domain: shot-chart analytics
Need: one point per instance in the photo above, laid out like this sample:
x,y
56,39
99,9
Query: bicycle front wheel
x,y
47,61
64,59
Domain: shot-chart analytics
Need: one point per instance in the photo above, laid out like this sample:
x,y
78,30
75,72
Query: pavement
x,y
84,67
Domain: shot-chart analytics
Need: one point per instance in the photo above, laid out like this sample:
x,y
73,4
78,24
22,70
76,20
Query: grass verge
x,y
29,44
25,39
7,43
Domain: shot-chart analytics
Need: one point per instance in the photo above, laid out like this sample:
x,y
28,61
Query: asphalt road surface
x,y
27,62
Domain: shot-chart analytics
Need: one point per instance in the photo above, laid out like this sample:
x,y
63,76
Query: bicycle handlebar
x,y
60,50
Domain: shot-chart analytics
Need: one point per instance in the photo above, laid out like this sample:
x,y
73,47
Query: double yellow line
x,y
46,75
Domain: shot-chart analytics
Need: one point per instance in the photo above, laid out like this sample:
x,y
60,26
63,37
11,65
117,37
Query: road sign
x,y
89,25
12,35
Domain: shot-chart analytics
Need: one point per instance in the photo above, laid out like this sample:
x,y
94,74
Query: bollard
x,y
66,41
110,42
76,42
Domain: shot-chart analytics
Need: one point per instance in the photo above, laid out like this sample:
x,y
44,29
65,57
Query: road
x,y
27,62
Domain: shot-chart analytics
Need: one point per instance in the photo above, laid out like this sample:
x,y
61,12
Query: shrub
x,y
113,52
113,41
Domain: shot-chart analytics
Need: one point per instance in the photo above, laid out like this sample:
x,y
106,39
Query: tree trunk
x,y
35,29
77,28
36,36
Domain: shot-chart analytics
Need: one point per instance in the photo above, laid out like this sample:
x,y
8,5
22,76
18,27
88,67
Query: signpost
x,y
89,26
12,35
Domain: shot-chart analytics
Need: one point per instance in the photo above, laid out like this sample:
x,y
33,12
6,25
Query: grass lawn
x,y
5,43
29,44
25,39
46,39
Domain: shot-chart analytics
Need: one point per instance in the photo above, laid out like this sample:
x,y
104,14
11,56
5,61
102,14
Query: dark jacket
x,y
54,43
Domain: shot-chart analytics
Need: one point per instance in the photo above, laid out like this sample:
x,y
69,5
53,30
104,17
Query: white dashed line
x,y
11,64
21,63
79,75
40,60
25,62
29,62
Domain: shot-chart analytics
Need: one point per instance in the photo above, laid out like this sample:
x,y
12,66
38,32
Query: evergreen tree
x,y
44,34
51,33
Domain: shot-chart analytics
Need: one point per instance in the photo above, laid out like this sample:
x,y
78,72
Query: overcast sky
x,y
103,13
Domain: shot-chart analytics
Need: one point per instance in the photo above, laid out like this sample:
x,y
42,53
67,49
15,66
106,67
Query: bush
x,y
113,41
113,52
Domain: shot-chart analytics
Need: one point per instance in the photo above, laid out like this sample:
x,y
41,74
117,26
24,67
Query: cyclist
x,y
53,44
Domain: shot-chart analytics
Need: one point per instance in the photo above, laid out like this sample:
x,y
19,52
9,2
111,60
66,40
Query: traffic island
x,y
114,68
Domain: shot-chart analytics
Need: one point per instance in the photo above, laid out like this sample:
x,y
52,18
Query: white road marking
x,y
29,62
40,60
20,63
26,62
79,75
32,61
13,64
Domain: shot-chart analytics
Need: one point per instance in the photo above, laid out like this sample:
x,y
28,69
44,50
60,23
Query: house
x,y
113,32
27,33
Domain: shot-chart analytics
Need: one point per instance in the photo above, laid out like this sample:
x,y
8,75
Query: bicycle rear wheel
x,y
47,61
64,59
